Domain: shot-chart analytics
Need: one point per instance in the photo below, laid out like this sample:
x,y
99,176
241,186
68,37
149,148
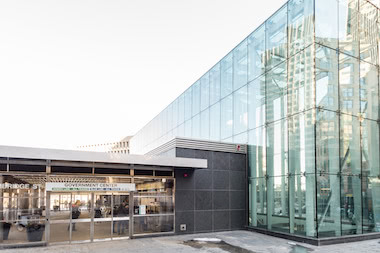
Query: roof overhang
x,y
99,157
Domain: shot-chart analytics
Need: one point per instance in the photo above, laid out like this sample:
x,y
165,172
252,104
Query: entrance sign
x,y
90,187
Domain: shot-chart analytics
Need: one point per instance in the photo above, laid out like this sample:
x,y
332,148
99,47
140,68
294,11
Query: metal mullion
x,y
112,225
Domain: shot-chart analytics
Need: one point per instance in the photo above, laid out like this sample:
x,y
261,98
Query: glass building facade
x,y
302,91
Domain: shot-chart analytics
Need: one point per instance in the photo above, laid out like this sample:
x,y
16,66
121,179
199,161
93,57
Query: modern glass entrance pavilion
x,y
303,91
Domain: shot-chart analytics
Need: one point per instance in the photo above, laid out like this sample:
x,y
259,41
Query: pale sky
x,y
78,72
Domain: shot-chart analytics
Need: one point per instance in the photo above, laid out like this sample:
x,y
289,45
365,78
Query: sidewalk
x,y
235,242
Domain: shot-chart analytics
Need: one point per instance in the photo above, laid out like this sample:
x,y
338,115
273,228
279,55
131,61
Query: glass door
x,y
70,217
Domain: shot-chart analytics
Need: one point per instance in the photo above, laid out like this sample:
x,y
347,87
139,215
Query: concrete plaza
x,y
235,242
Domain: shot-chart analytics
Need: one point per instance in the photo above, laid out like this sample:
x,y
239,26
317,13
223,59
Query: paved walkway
x,y
236,242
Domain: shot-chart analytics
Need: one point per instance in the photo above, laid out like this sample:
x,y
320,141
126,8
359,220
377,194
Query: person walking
x,y
75,213
122,212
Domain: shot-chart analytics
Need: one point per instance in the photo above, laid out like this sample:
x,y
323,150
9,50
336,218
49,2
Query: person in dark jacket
x,y
75,213
122,212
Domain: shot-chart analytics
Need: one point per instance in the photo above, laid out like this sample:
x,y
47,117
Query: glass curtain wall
x,y
302,91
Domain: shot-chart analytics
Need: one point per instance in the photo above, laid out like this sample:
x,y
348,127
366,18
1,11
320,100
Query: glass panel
x,y
205,124
59,232
196,127
301,143
241,138
368,32
226,117
188,103
278,204
188,129
256,103
349,27
196,98
328,205
181,109
226,75
370,148
302,204
301,71
102,230
154,204
277,148
326,78
215,122
257,152
276,38
350,145
276,93
153,224
240,110
351,206
326,23
60,206
256,53
215,84
80,231
349,84
258,202
240,65
301,20
369,91
102,208
327,142
205,92
175,114
371,204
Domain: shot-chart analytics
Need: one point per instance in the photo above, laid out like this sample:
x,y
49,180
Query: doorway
x,y
88,216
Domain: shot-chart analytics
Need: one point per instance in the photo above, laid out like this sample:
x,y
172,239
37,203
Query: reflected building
x,y
302,91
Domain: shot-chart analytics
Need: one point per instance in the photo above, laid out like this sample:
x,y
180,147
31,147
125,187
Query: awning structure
x,y
13,152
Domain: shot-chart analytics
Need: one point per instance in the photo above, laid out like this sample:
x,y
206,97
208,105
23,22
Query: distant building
x,y
121,147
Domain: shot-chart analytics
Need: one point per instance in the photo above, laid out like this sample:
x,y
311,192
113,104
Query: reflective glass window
x,y
301,28
256,103
278,204
370,147
301,143
327,142
205,92
328,205
301,81
351,205
349,27
276,93
326,61
181,109
277,148
240,65
226,117
368,32
188,103
349,84
215,84
215,122
369,91
205,124
257,152
256,53
196,127
226,75
276,38
326,23
350,144
196,105
240,110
